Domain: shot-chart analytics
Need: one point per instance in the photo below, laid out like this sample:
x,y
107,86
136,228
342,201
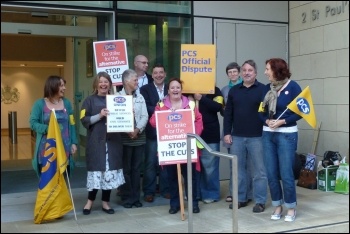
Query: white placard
x,y
121,114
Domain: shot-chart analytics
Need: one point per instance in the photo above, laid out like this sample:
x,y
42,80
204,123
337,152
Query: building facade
x,y
312,36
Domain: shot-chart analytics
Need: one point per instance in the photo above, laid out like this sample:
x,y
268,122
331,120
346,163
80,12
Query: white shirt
x,y
160,92
142,81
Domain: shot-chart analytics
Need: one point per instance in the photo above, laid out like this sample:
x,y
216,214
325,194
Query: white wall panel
x,y
252,10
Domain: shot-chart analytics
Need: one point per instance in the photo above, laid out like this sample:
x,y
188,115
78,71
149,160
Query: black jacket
x,y
150,93
209,108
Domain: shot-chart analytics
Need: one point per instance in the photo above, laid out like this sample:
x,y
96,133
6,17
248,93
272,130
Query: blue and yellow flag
x,y
53,200
303,106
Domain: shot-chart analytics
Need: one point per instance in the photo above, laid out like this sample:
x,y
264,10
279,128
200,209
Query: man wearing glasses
x,y
141,67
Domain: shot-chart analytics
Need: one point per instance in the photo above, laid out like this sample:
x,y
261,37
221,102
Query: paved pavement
x,y
317,211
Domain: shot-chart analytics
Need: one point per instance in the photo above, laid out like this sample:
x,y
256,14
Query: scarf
x,y
238,81
270,98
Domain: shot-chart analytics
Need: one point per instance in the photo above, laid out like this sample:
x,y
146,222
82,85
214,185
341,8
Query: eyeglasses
x,y
143,62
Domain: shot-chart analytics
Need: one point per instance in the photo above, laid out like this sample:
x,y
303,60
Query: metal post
x,y
233,159
234,195
13,127
189,184
10,125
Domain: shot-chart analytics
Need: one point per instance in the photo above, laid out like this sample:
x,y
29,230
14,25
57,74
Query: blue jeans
x,y
151,166
279,154
209,176
250,150
250,180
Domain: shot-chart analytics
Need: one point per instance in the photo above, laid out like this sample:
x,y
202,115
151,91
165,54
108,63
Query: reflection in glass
x,y
182,7
159,38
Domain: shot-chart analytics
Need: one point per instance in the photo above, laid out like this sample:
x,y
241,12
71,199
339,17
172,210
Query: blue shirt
x,y
286,96
241,111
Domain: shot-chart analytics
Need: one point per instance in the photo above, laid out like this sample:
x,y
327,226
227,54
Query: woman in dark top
x,y
104,150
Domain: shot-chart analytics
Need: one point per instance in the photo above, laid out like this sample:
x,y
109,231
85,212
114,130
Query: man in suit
x,y
154,92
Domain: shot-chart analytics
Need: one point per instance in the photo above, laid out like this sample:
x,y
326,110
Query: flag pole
x,y
70,192
281,115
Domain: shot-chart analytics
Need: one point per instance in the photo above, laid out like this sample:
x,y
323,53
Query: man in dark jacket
x,y
153,93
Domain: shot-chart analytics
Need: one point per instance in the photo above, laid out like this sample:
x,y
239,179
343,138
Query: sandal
x,y
229,199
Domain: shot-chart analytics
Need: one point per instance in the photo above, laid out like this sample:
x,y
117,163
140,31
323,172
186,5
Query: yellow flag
x,y
53,200
303,106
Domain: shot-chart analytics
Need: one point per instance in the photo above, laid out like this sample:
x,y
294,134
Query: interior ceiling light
x,y
59,65
40,14
23,65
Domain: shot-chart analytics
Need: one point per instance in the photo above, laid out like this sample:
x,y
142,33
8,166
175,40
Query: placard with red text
x,y
172,128
111,57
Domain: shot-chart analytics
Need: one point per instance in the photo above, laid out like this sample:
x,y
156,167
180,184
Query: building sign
x,y
328,11
198,68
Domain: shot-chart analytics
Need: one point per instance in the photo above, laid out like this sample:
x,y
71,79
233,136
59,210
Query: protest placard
x,y
121,115
198,66
172,129
111,57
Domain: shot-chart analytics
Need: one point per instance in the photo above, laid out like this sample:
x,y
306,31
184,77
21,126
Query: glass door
x,y
85,71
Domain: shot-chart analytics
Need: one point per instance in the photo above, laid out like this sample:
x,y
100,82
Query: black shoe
x,y
196,210
108,211
258,208
240,204
174,210
127,205
249,200
137,204
86,211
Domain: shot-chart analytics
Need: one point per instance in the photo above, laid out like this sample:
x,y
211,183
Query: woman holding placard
x,y
104,150
175,101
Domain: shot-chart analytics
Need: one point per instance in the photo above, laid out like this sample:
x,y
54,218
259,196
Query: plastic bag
x,y
342,179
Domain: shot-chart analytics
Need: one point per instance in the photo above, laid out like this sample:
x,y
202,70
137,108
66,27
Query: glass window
x,y
47,18
102,4
159,38
183,7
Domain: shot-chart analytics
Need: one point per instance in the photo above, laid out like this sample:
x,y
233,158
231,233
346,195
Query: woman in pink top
x,y
175,101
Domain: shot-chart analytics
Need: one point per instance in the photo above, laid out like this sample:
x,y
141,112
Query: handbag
x,y
307,179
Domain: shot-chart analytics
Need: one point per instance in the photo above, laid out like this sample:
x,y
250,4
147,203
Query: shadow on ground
x,y
27,181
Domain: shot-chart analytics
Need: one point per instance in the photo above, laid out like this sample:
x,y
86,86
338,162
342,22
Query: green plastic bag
x,y
342,179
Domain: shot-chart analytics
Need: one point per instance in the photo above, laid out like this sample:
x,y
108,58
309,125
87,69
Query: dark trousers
x,y
173,184
106,194
132,159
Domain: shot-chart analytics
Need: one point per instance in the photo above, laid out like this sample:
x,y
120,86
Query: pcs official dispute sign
x,y
198,68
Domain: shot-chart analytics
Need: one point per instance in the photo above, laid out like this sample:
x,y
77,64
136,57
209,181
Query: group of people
x,y
262,133
264,141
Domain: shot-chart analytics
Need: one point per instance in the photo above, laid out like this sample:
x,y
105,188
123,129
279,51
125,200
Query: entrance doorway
x,y
37,40
240,41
